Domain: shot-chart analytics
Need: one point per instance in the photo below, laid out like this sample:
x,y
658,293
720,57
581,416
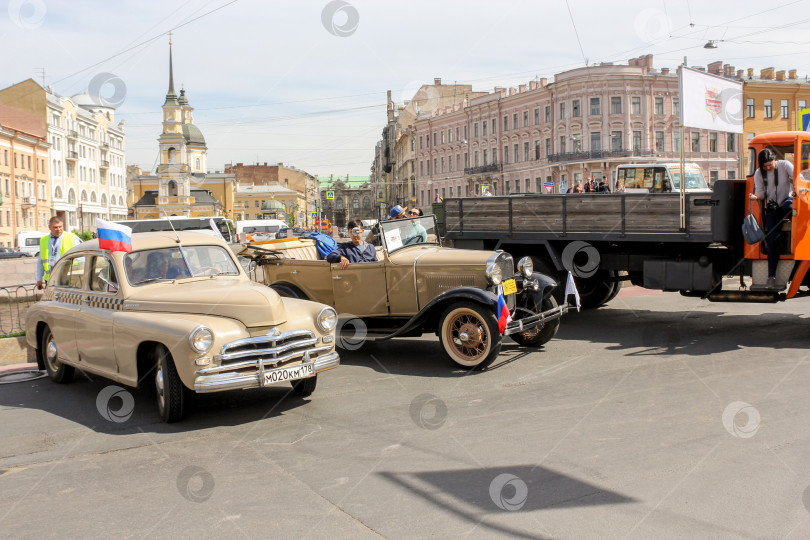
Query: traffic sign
x,y
330,194
382,206
314,215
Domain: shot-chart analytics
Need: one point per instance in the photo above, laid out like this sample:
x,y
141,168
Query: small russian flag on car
x,y
114,237
504,317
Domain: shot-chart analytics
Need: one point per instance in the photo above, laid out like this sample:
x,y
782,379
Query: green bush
x,y
84,235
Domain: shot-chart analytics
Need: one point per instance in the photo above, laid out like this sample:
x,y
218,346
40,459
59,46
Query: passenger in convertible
x,y
357,250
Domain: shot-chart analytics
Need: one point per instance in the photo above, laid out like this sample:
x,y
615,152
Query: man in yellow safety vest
x,y
51,247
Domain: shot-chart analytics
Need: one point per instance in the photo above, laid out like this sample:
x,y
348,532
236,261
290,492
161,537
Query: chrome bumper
x,y
232,381
528,323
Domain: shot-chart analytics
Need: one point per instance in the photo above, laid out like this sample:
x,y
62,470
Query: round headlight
x,y
201,339
327,319
525,266
494,274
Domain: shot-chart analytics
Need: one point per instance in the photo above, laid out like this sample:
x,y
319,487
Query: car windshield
x,y
694,179
177,263
398,233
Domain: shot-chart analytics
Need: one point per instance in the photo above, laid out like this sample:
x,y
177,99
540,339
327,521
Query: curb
x,y
12,368
15,351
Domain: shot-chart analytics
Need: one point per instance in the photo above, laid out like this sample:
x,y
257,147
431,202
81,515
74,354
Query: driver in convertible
x,y
356,250
412,232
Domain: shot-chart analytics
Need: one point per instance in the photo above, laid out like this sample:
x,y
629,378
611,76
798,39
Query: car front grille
x,y
267,351
507,266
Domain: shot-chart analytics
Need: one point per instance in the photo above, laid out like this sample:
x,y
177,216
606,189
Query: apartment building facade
x,y
25,203
544,137
87,153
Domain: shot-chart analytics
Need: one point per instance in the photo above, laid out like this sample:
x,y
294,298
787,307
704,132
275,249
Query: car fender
x,y
131,329
436,307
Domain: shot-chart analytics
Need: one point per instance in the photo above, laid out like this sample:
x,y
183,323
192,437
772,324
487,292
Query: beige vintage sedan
x,y
417,286
178,312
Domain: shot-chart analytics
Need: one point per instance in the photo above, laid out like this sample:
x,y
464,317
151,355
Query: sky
x,y
304,82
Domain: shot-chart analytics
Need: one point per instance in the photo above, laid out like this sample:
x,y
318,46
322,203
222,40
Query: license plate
x,y
509,287
289,373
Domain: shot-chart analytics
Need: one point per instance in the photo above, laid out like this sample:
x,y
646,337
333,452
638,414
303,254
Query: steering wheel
x,y
207,271
412,240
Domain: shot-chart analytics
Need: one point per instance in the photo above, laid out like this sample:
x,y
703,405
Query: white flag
x,y
215,228
571,288
710,102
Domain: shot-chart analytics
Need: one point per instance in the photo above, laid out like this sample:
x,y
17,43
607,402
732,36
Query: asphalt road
x,y
655,417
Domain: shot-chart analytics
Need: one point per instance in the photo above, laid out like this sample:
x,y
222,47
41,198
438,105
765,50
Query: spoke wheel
x,y
469,335
542,334
57,371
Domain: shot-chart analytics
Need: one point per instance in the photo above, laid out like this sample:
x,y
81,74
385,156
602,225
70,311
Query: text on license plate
x,y
509,287
290,373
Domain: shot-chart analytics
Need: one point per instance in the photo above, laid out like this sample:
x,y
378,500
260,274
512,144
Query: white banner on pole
x,y
710,102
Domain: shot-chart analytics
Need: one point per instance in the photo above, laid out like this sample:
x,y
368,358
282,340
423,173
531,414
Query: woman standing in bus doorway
x,y
773,182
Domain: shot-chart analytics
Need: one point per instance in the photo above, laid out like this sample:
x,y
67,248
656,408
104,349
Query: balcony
x,y
598,154
71,155
105,146
28,202
492,167
72,134
104,164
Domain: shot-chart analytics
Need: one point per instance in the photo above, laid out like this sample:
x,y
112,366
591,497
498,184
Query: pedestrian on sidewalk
x,y
51,247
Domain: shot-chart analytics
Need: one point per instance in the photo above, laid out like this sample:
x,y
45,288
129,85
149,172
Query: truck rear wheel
x,y
597,290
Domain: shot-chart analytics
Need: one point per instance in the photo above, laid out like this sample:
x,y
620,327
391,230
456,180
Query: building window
x,y
515,152
562,110
596,141
731,175
517,185
659,106
442,137
420,142
659,141
548,146
526,151
475,129
749,107
802,105
596,105
615,140
436,166
421,168
768,105
457,132
695,141
785,109
635,104
576,143
507,188
515,121
547,113
486,157
712,141
434,138
731,142
637,141
505,154
257,203
714,176
449,135
458,162
537,116
493,126
676,106
484,127
575,109
537,150
506,123
676,141
616,105
443,163
465,131
562,144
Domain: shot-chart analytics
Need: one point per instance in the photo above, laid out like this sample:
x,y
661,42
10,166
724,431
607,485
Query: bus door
x,y
801,204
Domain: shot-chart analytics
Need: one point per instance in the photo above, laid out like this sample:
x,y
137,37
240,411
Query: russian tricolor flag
x,y
114,237
504,317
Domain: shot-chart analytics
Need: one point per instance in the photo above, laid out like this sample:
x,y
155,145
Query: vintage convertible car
x,y
180,313
418,286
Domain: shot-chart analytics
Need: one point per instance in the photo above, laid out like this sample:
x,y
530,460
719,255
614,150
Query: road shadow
x,y
693,333
478,494
423,357
85,401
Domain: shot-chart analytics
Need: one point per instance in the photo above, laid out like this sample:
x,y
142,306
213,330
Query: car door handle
x,y
294,272
337,277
